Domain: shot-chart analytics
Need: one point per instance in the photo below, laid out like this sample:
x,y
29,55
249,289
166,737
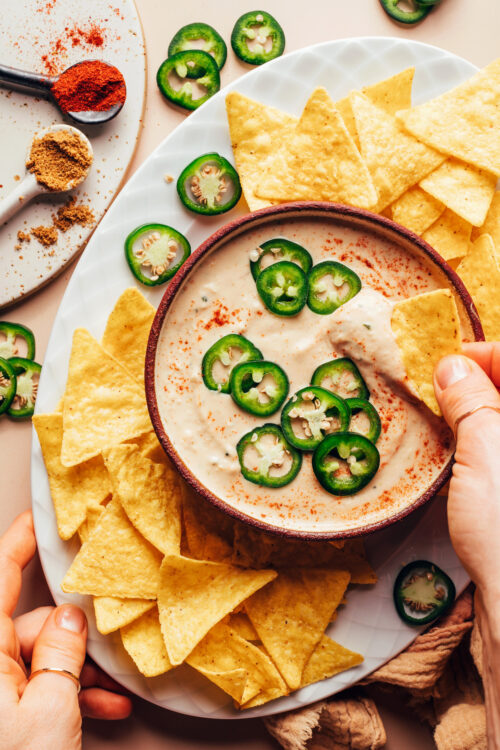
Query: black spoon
x,y
46,83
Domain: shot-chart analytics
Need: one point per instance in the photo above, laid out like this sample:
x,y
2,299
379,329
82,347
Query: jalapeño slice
x,y
10,333
155,252
266,37
364,419
345,462
182,65
8,384
209,185
259,387
341,376
266,458
219,360
186,39
311,414
330,285
273,251
422,592
283,288
419,11
27,376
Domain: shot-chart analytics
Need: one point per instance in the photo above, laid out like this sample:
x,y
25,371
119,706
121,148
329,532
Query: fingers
x,y
487,356
17,547
60,644
97,703
461,385
92,676
28,627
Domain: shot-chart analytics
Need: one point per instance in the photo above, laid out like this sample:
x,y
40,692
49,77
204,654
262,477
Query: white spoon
x,y
29,187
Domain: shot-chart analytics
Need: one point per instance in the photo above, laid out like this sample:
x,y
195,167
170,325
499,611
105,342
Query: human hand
x,y
46,712
463,383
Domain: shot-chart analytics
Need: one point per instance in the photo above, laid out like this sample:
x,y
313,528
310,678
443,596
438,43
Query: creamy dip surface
x,y
204,426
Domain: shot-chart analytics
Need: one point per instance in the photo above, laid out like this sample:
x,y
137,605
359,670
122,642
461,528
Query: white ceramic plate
x,y
32,32
369,624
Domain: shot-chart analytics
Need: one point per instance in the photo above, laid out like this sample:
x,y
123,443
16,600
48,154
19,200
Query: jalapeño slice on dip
x,y
155,252
189,37
311,414
27,372
345,462
331,284
273,251
266,458
266,37
183,66
283,288
364,419
259,388
10,333
341,376
209,185
8,384
422,592
219,360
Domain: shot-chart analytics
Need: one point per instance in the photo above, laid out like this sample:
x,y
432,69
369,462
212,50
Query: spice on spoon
x,y
91,85
59,159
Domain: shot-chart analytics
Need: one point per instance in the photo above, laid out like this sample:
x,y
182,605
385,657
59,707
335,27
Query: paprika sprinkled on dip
x,y
219,297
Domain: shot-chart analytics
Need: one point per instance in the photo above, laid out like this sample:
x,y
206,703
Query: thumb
x,y
462,386
60,644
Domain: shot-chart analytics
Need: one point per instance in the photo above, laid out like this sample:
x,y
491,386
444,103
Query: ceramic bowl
x,y
333,214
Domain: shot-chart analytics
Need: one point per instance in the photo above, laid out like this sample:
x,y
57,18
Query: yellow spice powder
x,y
59,159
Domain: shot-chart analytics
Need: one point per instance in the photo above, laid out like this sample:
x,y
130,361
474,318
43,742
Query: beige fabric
x,y
343,724
440,672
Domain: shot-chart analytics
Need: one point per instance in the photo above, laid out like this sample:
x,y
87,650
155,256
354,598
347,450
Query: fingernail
x,y
451,369
71,618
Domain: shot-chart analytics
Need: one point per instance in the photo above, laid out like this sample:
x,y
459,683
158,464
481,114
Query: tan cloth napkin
x,y
440,673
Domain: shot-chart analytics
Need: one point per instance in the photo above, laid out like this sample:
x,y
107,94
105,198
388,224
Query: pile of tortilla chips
x,y
179,580
432,168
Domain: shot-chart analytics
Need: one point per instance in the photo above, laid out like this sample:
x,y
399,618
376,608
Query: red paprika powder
x,y
89,86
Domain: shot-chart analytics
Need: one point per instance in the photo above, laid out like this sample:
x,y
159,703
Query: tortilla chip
x,y
237,666
203,542
391,95
194,595
491,225
103,405
416,210
327,659
426,327
319,161
254,548
72,489
94,512
480,272
449,235
149,493
143,640
463,122
291,615
115,561
127,331
464,189
241,624
112,613
256,132
208,531
396,160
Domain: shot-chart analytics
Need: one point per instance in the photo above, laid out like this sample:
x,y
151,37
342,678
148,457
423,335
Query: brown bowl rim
x,y
333,210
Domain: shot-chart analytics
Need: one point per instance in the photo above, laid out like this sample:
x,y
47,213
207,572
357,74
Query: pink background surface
x,y
469,29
